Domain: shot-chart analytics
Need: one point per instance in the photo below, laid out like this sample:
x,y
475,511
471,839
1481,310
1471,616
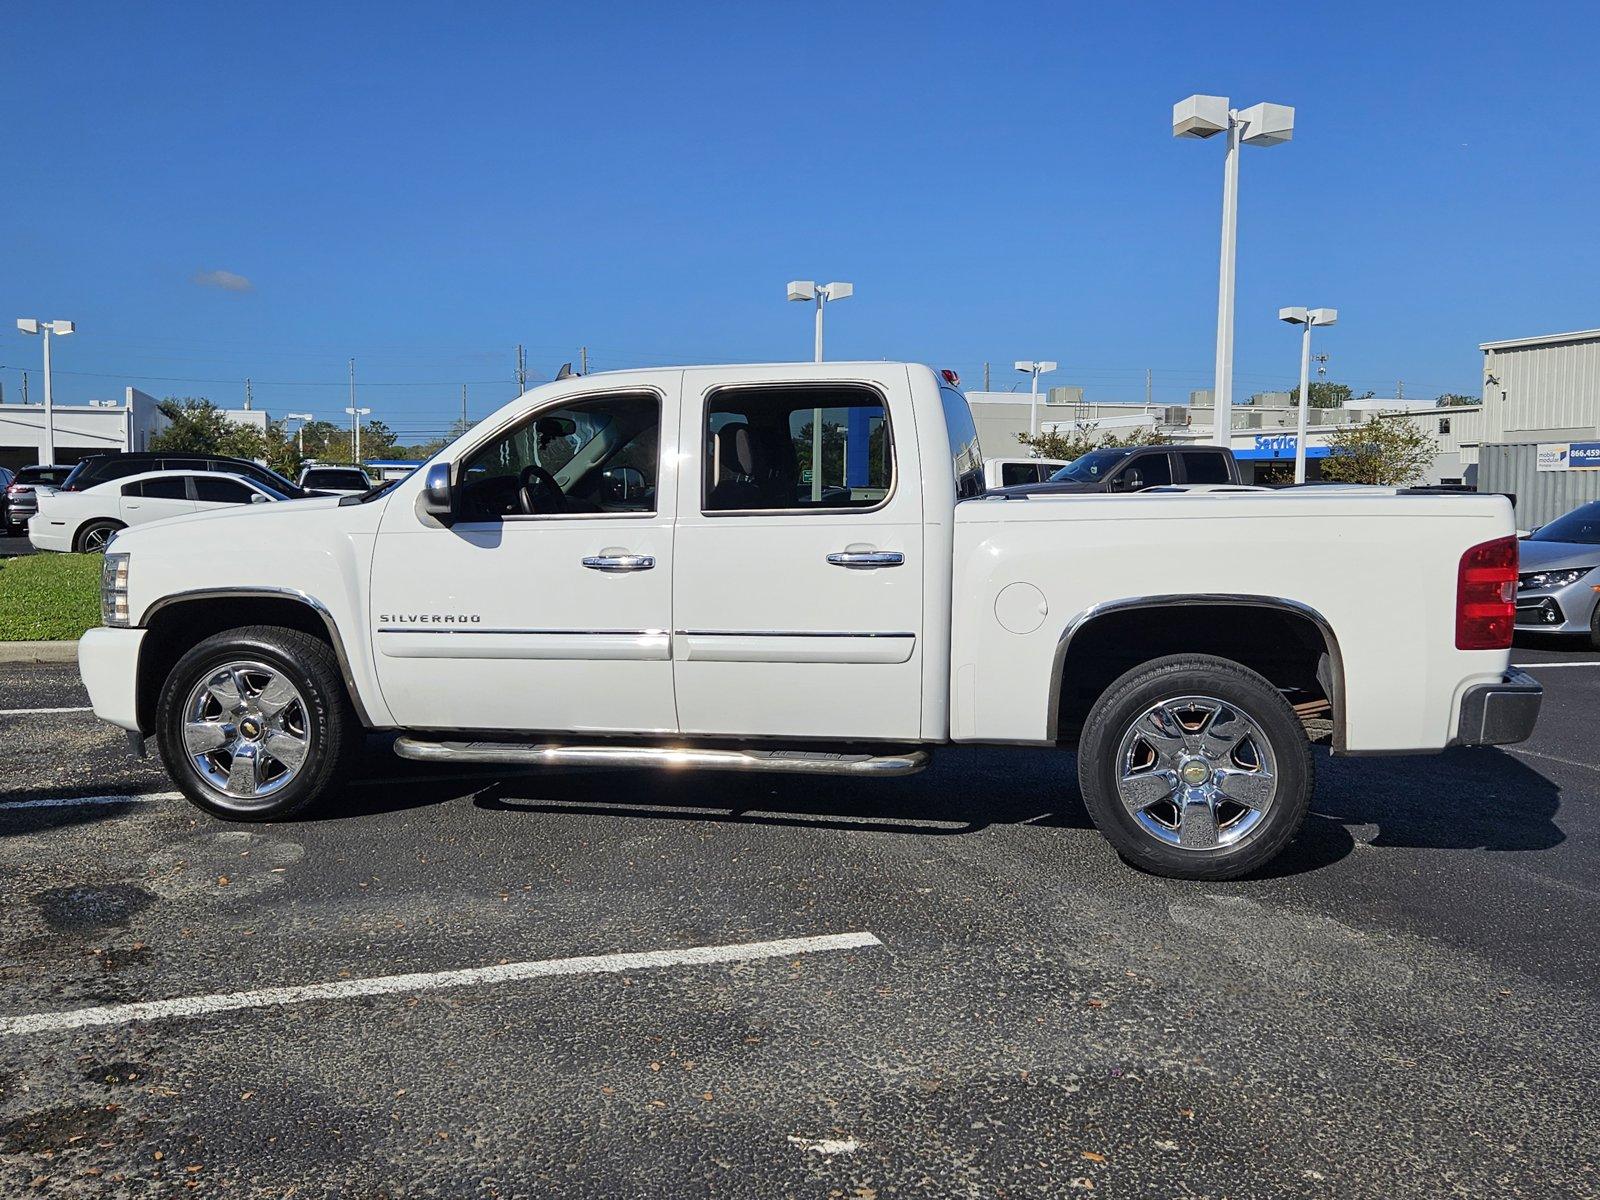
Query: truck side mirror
x,y
437,499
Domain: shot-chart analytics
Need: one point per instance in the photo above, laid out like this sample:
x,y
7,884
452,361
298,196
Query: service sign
x,y
1554,457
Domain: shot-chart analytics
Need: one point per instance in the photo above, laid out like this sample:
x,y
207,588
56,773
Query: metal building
x,y
1542,389
1540,431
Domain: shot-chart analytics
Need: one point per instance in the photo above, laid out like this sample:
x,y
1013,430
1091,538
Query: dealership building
x,y
98,427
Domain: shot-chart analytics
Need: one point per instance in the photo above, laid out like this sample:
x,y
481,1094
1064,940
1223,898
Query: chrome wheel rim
x,y
246,731
1196,772
94,540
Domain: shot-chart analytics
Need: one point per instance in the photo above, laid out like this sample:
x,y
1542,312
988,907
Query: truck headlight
x,y
1554,579
114,591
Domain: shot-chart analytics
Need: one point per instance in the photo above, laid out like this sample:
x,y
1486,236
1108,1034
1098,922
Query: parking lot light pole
x,y
300,434
806,290
355,432
1305,317
32,325
1035,369
1258,125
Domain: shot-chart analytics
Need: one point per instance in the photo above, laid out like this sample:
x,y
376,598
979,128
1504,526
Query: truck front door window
x,y
761,455
592,456
1148,470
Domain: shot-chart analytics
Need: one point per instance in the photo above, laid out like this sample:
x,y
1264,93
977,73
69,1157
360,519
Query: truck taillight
x,y
1486,596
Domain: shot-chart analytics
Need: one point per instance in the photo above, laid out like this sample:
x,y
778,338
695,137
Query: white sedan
x,y
83,522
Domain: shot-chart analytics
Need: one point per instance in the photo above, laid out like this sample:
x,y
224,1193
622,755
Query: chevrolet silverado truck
x,y
797,568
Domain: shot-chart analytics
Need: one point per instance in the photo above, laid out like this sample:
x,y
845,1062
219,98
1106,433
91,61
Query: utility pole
x,y
1147,387
24,387
464,399
522,379
248,396
583,360
1399,389
986,377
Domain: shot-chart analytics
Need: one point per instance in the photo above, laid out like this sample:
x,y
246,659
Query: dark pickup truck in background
x,y
1134,468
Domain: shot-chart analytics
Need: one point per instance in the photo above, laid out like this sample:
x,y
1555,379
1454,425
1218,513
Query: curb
x,y
38,652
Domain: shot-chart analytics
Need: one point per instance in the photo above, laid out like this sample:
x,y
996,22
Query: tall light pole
x,y
300,434
60,329
1035,369
355,433
1258,125
808,291
1306,317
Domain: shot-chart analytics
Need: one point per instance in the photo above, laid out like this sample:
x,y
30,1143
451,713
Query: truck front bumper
x,y
1498,714
108,660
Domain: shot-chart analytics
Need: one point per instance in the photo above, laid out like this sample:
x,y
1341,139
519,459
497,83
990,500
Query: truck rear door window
x,y
1205,468
760,453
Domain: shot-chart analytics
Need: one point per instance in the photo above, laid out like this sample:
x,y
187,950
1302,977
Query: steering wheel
x,y
538,491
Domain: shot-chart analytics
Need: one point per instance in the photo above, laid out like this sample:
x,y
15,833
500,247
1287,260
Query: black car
x,y
20,499
103,468
1134,468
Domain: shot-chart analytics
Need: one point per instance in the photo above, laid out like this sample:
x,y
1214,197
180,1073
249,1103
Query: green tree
x,y
1452,399
1077,442
425,450
198,426
1393,452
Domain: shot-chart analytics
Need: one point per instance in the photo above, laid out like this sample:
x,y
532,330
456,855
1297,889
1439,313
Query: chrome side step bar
x,y
529,754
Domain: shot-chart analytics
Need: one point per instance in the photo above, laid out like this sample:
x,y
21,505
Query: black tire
x,y
330,728
84,541
1594,627
1237,688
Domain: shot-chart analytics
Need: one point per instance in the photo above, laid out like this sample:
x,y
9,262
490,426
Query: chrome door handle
x,y
619,562
867,558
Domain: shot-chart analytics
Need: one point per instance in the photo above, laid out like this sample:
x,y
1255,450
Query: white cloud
x,y
226,280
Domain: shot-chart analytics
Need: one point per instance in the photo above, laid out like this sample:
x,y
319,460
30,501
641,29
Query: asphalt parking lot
x,y
1402,1006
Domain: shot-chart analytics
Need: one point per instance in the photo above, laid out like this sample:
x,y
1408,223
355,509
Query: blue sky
x,y
425,186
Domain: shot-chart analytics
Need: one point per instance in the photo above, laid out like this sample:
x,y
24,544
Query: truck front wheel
x,y
1195,767
254,723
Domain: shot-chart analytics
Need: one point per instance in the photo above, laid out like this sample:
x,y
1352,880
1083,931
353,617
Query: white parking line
x,y
383,985
74,801
1539,666
34,712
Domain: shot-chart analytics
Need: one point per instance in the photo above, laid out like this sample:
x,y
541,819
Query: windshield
x,y
331,477
1581,526
1091,468
45,475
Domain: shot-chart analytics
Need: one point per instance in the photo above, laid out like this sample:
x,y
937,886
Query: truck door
x,y
797,593
547,605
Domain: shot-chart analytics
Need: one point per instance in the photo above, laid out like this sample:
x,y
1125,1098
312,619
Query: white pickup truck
x,y
661,568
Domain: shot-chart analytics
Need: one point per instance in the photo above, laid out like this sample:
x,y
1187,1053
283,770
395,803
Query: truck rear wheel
x,y
254,723
1195,767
